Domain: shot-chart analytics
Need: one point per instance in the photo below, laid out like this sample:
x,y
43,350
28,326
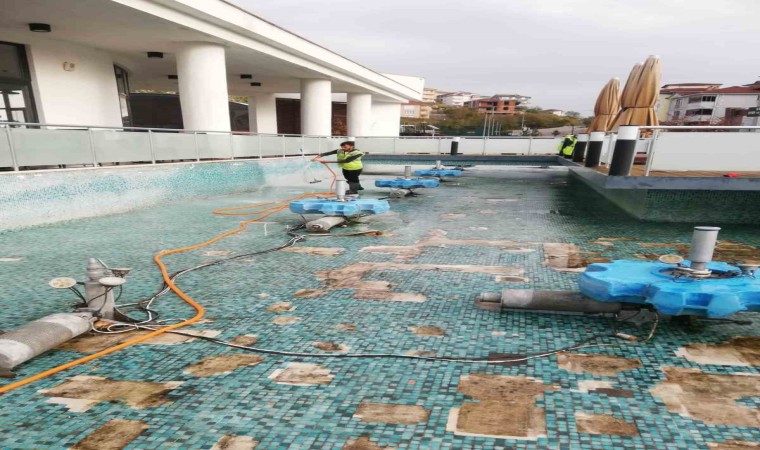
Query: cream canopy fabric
x,y
640,95
607,106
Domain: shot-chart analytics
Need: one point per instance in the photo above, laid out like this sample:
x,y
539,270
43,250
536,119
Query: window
x,y
122,86
699,112
676,115
16,102
708,98
695,99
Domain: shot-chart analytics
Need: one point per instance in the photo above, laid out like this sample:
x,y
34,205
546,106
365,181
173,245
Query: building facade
x,y
669,91
70,62
498,104
456,98
716,106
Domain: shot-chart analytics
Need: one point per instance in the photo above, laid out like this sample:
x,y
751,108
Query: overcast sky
x,y
559,52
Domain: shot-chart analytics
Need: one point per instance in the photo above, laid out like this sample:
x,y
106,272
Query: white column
x,y
262,113
316,107
359,114
203,87
386,119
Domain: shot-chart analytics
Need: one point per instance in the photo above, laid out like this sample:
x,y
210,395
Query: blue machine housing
x,y
438,173
332,207
408,183
644,282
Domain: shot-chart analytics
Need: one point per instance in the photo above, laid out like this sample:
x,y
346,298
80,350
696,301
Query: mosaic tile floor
x,y
174,395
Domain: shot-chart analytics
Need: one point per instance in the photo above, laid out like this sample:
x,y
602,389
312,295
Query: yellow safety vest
x,y
568,149
353,165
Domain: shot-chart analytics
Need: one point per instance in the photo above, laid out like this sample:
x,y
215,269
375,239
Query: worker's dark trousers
x,y
352,176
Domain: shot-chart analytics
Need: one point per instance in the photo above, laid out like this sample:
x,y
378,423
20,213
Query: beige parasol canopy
x,y
640,95
607,106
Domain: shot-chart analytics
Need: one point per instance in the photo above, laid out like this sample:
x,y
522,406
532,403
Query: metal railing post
x,y
197,149
484,145
261,150
232,146
530,144
284,144
92,148
394,144
12,149
152,149
650,152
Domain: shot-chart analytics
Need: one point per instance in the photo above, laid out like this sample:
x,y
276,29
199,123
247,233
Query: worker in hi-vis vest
x,y
350,161
567,146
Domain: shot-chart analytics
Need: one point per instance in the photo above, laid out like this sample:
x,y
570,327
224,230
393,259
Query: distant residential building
x,y
556,112
456,98
667,92
429,95
498,104
716,106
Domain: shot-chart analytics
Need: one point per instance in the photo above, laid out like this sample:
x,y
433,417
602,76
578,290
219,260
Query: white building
x,y
721,106
669,91
75,62
457,98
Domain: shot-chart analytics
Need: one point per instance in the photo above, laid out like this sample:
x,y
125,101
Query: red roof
x,y
755,89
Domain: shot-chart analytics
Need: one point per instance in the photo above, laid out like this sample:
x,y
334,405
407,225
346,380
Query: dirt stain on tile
x,y
95,342
81,392
281,307
734,445
245,340
350,327
506,407
601,365
569,258
218,253
728,251
708,397
510,279
319,251
222,364
364,443
231,442
285,320
604,424
332,347
452,216
302,374
310,293
420,353
391,413
350,277
427,331
113,435
739,351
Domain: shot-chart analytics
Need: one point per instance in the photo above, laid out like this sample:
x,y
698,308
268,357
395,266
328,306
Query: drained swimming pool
x,y
409,291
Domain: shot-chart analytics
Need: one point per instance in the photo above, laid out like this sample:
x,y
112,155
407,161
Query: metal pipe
x,y
324,223
650,152
702,246
553,301
34,338
12,149
341,186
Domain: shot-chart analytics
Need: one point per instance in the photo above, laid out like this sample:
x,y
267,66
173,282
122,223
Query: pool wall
x,y
42,197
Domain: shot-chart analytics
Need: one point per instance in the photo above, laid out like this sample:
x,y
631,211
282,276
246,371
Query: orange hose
x,y
199,310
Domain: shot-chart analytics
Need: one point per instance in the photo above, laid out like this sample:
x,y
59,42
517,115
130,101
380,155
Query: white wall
x,y
386,119
85,96
415,83
707,151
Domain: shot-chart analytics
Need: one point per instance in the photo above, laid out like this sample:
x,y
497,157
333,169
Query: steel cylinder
x,y
324,223
341,186
702,246
34,338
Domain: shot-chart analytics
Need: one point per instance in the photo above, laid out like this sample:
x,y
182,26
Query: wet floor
x,y
409,291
